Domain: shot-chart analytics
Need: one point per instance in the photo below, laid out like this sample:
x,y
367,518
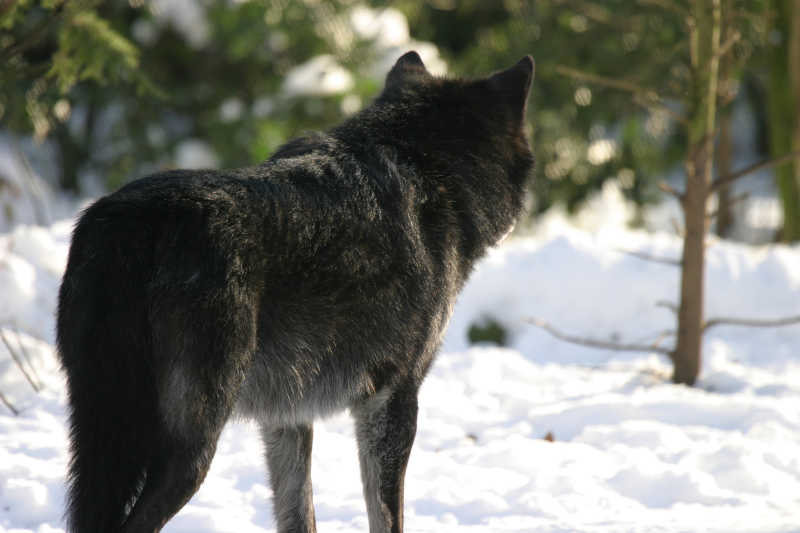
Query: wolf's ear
x,y
409,65
514,84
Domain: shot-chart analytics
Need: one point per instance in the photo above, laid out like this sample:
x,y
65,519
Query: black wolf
x,y
319,280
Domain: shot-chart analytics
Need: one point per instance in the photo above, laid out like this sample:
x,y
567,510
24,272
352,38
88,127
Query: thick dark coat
x,y
320,280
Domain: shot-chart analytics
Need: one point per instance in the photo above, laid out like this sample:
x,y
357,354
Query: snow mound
x,y
625,450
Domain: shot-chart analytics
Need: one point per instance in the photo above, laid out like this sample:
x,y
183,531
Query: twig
x,y
658,336
27,357
761,165
728,44
642,95
669,189
724,48
596,343
750,322
648,257
676,227
663,335
8,404
608,82
667,305
640,100
17,360
735,200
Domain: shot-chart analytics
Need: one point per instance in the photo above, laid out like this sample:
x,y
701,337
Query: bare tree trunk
x,y
705,38
686,358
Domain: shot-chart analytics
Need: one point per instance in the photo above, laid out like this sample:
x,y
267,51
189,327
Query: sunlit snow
x,y
630,452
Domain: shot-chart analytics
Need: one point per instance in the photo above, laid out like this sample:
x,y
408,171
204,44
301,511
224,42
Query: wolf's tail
x,y
105,349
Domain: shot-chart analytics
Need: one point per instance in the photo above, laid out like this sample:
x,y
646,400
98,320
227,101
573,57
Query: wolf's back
x,y
104,348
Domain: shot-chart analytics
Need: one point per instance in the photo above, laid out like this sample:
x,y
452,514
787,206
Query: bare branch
x,y
8,404
648,257
595,343
761,165
605,81
750,322
17,360
663,335
728,44
659,105
27,357
676,227
658,337
723,49
669,189
667,305
643,96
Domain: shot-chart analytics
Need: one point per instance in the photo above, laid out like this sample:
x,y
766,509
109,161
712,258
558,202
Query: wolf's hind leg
x,y
173,476
288,452
181,456
203,349
385,428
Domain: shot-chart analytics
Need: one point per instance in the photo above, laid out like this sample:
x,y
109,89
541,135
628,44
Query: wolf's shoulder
x,y
310,144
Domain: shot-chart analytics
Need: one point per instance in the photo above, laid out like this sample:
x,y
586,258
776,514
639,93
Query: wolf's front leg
x,y
385,429
289,464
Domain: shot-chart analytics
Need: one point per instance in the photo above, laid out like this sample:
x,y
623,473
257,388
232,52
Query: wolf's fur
x,y
319,280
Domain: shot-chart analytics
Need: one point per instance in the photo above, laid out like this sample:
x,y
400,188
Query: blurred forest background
x,y
94,94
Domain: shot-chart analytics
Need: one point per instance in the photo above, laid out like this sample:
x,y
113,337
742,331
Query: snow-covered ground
x,y
629,450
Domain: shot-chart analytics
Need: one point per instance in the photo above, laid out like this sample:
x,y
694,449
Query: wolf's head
x,y
503,95
465,135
